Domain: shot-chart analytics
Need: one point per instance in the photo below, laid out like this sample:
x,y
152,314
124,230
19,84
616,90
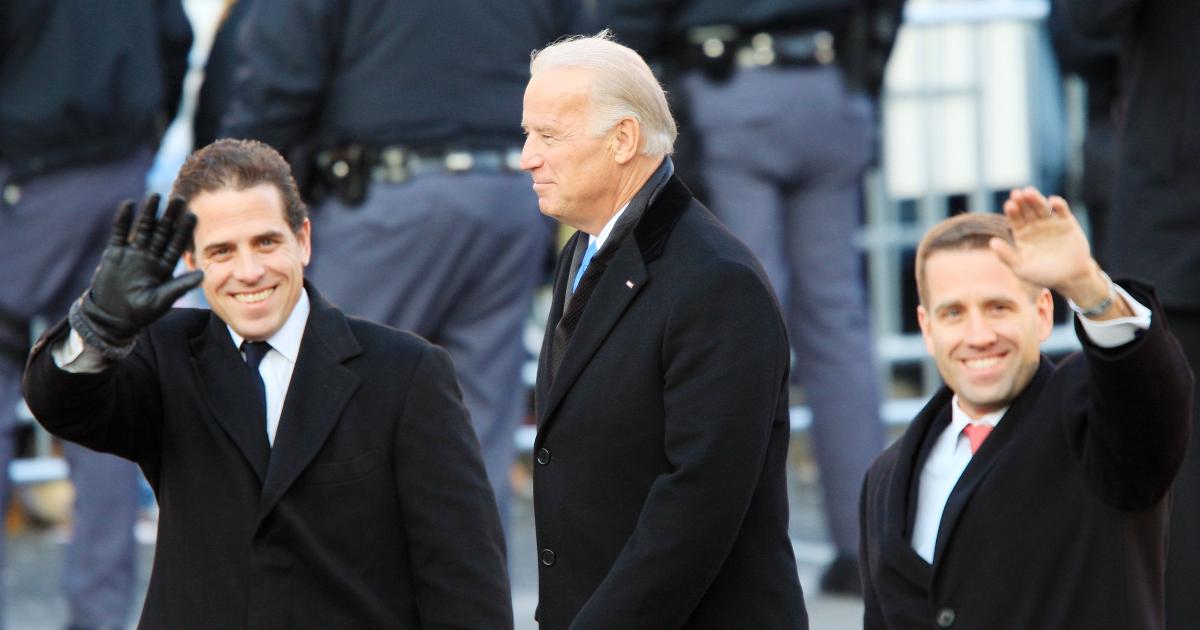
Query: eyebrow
x,y
941,306
987,300
274,234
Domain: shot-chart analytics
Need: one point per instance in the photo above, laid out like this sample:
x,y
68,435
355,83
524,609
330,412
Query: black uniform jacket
x,y
1155,222
659,488
371,510
1059,521
87,81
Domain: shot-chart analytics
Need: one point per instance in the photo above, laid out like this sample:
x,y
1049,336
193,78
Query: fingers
x,y
143,227
182,236
168,293
121,221
1059,206
166,226
1007,254
1026,205
1012,211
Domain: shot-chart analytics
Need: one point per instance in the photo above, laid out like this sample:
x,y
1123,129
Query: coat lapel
x,y
320,388
988,454
624,278
225,384
900,499
557,305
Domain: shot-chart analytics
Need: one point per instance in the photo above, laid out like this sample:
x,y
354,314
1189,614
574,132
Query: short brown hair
x,y
229,164
967,231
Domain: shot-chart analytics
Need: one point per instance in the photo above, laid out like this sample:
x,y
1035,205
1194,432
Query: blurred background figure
x,y
1095,61
86,89
1154,228
777,100
407,116
216,91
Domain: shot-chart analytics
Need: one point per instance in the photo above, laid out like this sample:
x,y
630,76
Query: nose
x,y
979,331
248,269
530,158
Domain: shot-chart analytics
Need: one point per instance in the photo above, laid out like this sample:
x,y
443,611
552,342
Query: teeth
x,y
250,298
980,364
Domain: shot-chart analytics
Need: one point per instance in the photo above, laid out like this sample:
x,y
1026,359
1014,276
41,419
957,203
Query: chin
x,y
989,402
256,331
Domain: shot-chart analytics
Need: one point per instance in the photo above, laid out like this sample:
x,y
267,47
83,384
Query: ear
x,y
1045,314
189,260
626,139
304,237
926,335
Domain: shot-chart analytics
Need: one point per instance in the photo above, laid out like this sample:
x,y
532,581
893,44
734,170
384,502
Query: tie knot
x,y
976,434
255,351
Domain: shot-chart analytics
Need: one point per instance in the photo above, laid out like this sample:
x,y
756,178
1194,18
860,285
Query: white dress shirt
x,y
951,452
598,240
608,228
74,355
277,365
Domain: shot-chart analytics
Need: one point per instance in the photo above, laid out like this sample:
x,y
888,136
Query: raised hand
x,y
133,285
1051,248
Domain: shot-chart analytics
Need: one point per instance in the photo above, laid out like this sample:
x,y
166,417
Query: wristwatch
x,y
1101,307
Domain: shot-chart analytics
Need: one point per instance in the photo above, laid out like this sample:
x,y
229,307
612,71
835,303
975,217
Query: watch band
x,y
1103,306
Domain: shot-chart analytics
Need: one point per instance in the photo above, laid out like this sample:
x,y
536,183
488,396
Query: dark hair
x,y
230,164
967,231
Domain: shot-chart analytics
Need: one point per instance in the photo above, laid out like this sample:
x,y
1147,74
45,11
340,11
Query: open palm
x,y
1051,249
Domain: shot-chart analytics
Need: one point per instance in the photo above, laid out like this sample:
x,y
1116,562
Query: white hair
x,y
622,86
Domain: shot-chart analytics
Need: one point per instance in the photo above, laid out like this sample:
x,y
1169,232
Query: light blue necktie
x,y
583,264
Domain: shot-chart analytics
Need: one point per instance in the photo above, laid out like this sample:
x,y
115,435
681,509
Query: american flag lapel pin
x,y
629,283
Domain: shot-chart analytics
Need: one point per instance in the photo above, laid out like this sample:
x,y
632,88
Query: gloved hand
x,y
133,285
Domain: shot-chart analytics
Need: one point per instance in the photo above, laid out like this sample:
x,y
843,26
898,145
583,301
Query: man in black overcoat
x,y
659,485
326,476
1028,493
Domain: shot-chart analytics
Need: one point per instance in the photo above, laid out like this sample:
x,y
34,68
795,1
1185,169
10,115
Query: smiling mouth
x,y
983,363
253,298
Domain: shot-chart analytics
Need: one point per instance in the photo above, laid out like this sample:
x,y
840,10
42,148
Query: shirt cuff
x,y
75,356
1115,332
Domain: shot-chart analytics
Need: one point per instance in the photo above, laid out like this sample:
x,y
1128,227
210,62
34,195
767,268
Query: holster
x,y
344,173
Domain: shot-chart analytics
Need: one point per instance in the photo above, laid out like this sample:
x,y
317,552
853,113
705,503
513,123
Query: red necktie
x,y
976,434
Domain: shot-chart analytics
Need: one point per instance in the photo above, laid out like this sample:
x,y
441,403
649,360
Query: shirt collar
x,y
645,196
959,418
608,227
286,340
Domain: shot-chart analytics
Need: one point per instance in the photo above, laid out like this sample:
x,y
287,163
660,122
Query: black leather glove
x,y
133,285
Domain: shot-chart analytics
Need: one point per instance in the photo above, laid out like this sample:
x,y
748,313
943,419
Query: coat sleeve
x,y
117,411
451,521
285,55
725,361
1135,425
175,42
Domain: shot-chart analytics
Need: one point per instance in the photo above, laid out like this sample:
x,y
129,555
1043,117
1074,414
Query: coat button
x,y
543,456
946,617
548,557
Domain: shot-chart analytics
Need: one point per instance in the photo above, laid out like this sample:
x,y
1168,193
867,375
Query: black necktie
x,y
570,319
255,351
